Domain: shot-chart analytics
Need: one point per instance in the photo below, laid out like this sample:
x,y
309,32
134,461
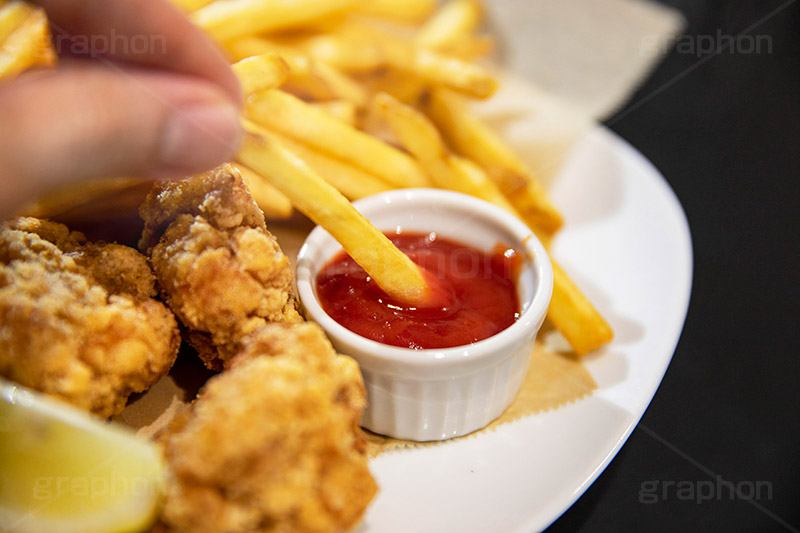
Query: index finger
x,y
151,33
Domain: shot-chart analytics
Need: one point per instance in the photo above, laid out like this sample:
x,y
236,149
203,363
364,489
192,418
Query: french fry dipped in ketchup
x,y
393,271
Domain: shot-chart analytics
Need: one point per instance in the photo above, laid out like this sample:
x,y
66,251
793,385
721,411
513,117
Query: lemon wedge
x,y
64,470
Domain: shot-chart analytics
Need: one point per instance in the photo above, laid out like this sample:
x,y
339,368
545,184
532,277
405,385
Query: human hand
x,y
153,98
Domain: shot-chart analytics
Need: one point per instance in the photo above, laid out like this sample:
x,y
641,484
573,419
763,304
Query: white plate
x,y
626,243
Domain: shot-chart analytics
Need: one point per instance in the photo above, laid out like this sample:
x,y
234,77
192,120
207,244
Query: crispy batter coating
x,y
273,443
217,265
77,319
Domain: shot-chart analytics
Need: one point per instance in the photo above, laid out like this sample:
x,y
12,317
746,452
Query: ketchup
x,y
482,297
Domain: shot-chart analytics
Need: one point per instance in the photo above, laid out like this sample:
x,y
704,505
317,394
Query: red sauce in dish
x,y
482,299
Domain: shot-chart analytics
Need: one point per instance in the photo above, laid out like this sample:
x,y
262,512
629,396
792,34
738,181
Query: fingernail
x,y
200,136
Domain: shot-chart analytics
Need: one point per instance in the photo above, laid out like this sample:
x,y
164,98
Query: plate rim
x,y
536,523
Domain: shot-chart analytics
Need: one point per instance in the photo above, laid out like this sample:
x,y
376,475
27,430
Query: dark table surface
x,y
724,129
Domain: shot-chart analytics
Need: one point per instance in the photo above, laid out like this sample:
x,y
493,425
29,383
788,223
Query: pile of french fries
x,y
355,97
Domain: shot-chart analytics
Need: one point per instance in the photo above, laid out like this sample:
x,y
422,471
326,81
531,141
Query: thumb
x,y
91,121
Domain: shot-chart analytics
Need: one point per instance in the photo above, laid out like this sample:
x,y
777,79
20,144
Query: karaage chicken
x,y
78,320
272,444
218,267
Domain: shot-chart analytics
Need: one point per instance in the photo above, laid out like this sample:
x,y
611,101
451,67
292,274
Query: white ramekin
x,y
439,393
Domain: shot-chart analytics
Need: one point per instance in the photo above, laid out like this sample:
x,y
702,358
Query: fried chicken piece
x,y
272,444
77,319
218,267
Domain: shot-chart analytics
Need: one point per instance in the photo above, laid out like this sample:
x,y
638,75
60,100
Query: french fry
x,y
404,11
470,48
391,269
307,75
299,81
12,15
262,72
348,180
475,140
342,110
338,84
359,48
420,138
249,46
481,185
225,20
570,311
453,22
272,202
574,315
404,86
449,72
451,31
27,45
294,118
327,24
416,133
187,6
348,50
427,64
